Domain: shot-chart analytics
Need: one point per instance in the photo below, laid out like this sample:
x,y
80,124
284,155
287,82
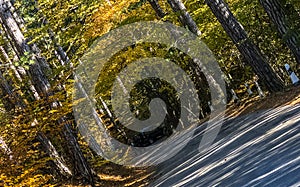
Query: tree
x,y
185,18
249,51
279,13
155,5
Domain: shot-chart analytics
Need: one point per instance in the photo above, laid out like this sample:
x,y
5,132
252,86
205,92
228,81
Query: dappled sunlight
x,y
262,148
112,177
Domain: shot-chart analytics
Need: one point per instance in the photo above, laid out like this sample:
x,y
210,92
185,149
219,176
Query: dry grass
x,y
113,175
291,96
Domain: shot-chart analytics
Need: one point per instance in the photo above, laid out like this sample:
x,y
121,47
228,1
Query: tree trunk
x,y
51,151
19,20
75,151
7,96
156,7
154,4
184,17
5,148
65,60
278,13
250,52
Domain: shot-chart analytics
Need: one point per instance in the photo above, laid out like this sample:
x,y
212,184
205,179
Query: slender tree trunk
x,y
59,52
19,20
184,17
156,7
57,159
278,13
250,52
7,95
19,73
83,169
5,148
7,59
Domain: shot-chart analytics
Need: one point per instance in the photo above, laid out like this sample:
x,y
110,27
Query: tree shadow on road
x,y
260,149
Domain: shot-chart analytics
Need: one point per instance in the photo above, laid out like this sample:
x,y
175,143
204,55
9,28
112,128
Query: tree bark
x,y
5,148
278,13
75,151
56,158
7,95
20,21
156,7
184,17
19,73
249,51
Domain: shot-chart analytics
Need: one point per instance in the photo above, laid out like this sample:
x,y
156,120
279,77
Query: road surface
x,y
258,149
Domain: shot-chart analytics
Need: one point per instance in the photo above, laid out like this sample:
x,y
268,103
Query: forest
x,y
43,44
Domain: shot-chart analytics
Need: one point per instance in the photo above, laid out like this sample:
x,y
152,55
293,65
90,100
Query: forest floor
x,y
113,175
290,96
